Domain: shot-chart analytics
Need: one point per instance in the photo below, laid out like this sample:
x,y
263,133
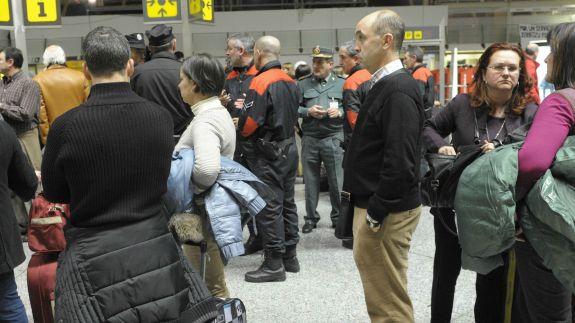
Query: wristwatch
x,y
371,222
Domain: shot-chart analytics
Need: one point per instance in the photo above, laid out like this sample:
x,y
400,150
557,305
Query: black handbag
x,y
439,185
439,169
344,227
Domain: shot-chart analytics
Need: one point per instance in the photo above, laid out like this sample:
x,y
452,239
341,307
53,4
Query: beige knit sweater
x,y
211,134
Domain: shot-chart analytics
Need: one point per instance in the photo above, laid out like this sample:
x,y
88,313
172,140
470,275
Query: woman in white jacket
x,y
211,134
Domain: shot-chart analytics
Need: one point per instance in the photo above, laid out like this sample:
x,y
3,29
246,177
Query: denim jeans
x,y
11,308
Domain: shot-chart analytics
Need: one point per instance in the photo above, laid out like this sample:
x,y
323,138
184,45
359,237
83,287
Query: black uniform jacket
x,y
353,96
237,85
271,105
157,81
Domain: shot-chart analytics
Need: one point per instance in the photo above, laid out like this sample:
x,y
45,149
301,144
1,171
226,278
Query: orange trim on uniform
x,y
252,71
351,118
232,75
356,79
249,127
422,74
261,82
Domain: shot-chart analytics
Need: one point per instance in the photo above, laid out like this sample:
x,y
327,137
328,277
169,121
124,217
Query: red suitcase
x,y
41,283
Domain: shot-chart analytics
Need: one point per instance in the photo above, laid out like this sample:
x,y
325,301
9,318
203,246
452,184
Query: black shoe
x,y
347,243
253,245
291,264
271,270
308,227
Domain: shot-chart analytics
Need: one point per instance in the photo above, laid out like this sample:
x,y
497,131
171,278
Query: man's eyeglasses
x,y
499,69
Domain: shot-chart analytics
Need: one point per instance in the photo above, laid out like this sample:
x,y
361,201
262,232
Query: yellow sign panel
x,y
202,10
162,10
5,14
418,34
42,11
408,35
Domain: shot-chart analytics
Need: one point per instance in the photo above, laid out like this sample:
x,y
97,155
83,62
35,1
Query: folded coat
x,y
235,188
486,205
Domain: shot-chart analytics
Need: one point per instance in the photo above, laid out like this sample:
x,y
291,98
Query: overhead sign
x,y
529,33
5,13
161,10
41,12
421,33
201,10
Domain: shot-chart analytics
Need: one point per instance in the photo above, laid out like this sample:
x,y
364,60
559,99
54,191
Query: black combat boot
x,y
271,270
291,263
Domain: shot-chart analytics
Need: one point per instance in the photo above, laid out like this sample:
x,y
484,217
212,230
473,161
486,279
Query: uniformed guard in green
x,y
321,109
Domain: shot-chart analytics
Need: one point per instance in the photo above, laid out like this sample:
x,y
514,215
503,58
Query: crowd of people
x,y
109,135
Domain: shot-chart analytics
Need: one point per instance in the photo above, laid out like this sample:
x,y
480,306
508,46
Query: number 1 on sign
x,y
42,9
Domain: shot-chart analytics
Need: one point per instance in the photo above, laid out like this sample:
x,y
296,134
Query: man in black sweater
x,y
110,159
382,169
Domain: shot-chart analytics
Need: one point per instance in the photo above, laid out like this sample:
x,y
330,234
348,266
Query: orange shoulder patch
x,y
422,74
261,82
232,75
356,79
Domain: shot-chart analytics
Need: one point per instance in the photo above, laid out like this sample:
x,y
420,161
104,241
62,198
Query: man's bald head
x,y
269,45
386,22
266,49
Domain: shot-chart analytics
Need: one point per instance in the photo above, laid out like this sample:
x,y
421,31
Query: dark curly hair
x,y
520,96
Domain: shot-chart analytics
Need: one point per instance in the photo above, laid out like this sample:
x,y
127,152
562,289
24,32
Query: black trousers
x,y
490,288
539,296
278,222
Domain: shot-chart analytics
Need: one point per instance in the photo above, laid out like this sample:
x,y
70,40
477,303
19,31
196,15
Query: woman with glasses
x,y
498,103
540,296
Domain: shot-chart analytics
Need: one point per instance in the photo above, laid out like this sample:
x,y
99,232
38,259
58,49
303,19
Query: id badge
x,y
333,105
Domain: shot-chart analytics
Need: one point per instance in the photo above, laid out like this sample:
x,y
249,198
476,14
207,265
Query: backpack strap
x,y
569,95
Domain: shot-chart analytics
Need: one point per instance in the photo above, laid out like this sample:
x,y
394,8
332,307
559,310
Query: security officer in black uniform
x,y
321,107
240,54
268,123
157,80
137,48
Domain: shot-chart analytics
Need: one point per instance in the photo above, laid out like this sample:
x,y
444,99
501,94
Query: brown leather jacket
x,y
62,89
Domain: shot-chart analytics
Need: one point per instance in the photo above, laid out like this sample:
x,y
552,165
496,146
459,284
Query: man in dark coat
x,y
17,175
157,80
110,160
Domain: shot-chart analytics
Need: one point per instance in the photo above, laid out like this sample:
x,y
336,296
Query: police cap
x,y
321,52
159,35
136,40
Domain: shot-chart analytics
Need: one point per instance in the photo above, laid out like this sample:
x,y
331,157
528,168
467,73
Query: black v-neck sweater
x,y
382,170
109,158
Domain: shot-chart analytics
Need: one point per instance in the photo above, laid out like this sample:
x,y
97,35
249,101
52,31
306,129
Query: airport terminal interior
x,y
333,281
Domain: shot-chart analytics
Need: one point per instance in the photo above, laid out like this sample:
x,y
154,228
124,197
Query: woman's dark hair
x,y
561,39
520,96
207,72
302,70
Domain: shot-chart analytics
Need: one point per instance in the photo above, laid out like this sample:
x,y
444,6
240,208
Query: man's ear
x,y
130,68
174,45
86,71
387,41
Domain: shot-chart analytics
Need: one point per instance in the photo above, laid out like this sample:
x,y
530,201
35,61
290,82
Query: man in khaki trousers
x,y
382,169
